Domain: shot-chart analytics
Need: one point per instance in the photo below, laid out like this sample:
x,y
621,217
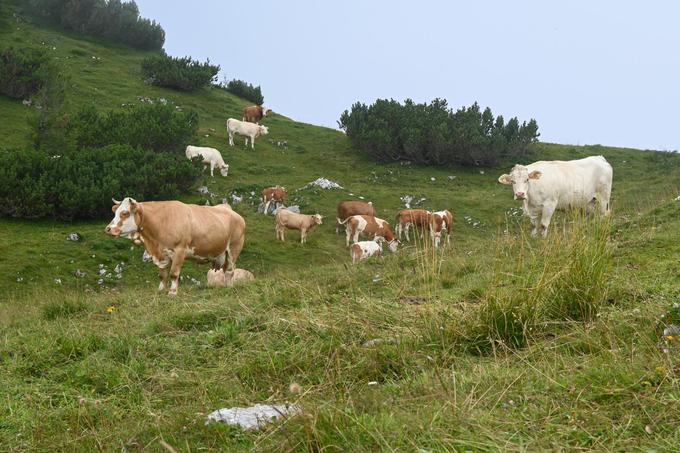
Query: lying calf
x,y
363,250
218,277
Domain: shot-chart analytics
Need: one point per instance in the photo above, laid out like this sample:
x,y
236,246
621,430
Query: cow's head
x,y
264,130
224,169
392,245
318,219
126,219
265,110
519,178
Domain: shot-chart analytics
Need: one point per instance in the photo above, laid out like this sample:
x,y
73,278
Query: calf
x,y
441,222
275,194
349,208
218,277
210,156
419,218
249,130
294,221
363,250
366,225
254,113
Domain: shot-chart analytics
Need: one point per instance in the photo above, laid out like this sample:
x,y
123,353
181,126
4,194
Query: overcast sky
x,y
590,72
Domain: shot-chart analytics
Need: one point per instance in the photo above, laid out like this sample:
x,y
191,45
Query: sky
x,y
590,72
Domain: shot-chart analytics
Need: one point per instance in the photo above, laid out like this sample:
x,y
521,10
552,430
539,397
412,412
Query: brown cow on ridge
x,y
420,218
172,231
349,208
276,194
254,113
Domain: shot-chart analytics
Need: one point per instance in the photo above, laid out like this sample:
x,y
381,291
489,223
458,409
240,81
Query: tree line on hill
x,y
434,134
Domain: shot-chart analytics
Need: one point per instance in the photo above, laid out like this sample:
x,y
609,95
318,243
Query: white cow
x,y
210,157
545,186
363,250
249,130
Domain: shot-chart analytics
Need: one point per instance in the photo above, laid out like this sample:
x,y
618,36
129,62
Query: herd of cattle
x,y
172,231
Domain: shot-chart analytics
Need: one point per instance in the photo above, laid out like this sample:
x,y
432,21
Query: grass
x,y
412,352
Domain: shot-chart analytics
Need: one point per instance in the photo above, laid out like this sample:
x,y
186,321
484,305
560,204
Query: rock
x,y
57,281
146,257
236,199
74,237
406,199
253,417
671,329
203,189
433,179
451,178
272,208
323,183
79,274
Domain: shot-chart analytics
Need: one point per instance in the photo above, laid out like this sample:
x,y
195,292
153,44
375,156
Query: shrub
x,y
23,72
114,20
80,183
434,134
179,73
244,90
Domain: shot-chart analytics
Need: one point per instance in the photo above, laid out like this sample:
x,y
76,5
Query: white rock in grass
x,y
253,417
57,281
671,329
146,257
74,237
323,183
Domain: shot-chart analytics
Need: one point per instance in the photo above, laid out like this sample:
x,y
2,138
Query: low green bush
x,y
244,90
182,74
23,72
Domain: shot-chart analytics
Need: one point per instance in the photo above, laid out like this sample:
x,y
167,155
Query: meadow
x,y
501,342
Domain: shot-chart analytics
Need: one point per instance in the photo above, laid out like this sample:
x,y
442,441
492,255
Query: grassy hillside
x,y
89,366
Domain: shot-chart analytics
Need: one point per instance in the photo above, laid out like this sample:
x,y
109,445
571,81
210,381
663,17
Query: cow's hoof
x,y
172,292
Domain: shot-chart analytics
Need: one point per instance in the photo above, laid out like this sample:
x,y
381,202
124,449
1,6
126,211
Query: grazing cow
x,y
210,157
367,225
441,222
545,186
276,194
363,250
172,231
294,221
218,277
349,208
420,218
254,113
249,130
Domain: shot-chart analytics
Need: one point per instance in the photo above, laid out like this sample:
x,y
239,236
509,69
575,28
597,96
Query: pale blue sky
x,y
590,72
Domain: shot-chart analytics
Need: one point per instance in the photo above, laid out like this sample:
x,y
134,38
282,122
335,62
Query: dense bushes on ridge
x,y
23,72
179,73
244,90
434,134
114,20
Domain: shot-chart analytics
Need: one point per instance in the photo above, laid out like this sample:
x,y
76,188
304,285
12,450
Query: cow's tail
x,y
342,222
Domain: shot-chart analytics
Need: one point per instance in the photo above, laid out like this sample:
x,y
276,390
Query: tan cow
x,y
441,222
172,231
418,218
275,194
352,207
294,221
218,277
254,113
366,225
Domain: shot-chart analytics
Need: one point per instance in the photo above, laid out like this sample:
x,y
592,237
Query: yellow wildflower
x,y
110,309
669,337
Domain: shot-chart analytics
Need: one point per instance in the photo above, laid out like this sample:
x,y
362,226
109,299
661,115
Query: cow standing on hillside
x,y
294,221
249,130
441,222
172,231
545,186
365,225
406,218
349,208
276,194
254,113
209,156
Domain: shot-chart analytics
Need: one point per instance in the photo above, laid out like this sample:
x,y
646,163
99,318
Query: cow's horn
x,y
115,201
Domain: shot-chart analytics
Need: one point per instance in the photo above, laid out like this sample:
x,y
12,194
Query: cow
x,y
441,222
351,207
172,231
254,113
367,225
276,194
363,250
546,186
420,218
210,156
218,277
294,221
249,130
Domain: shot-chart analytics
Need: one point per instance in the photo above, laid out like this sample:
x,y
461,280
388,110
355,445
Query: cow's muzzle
x,y
520,195
112,231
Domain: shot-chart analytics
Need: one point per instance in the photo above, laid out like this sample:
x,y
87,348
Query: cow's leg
x,y
212,169
546,215
231,139
303,236
162,276
246,141
406,228
348,234
175,269
252,142
535,218
356,235
233,252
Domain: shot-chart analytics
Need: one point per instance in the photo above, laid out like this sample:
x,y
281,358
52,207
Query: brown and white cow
x,y
352,207
366,225
294,221
418,218
441,222
172,231
363,250
254,113
276,194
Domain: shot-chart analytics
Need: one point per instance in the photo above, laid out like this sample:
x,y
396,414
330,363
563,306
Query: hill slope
x,y
115,365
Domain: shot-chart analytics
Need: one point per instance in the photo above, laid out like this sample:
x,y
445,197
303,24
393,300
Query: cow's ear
x,y
535,174
505,179
114,208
